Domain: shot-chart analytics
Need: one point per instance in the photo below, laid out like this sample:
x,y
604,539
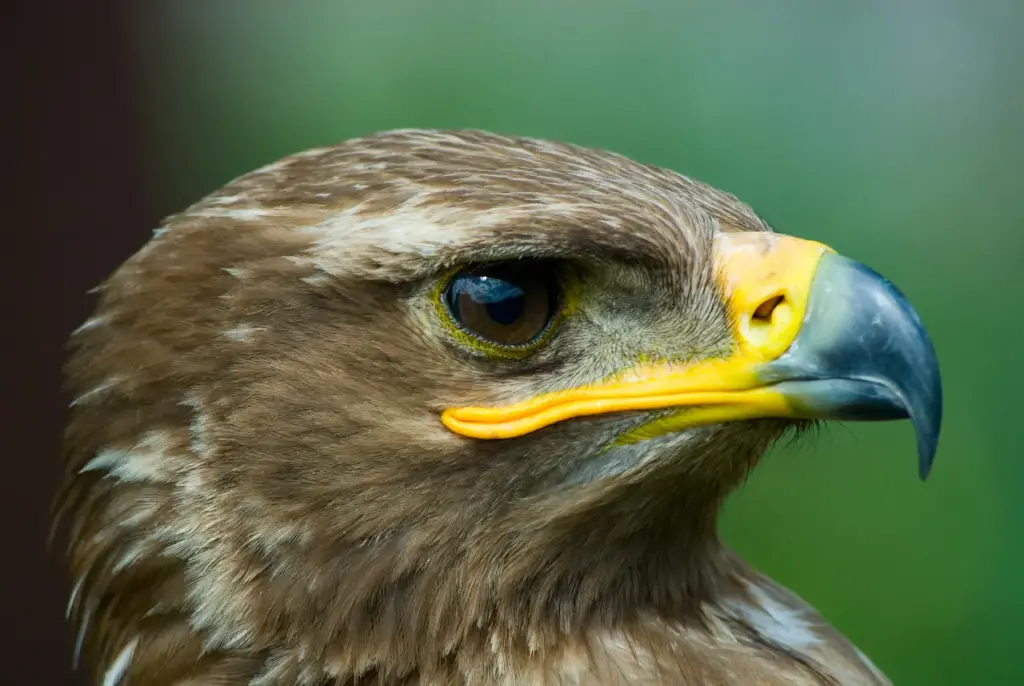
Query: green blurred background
x,y
893,131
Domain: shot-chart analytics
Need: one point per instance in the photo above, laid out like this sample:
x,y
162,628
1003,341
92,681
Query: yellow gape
x,y
767,281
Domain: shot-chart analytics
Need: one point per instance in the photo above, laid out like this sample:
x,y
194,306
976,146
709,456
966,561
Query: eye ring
x,y
504,309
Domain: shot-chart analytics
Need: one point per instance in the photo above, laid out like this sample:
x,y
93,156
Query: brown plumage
x,y
260,491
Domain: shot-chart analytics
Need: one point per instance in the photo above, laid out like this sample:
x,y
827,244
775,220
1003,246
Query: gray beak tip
x,y
863,353
927,419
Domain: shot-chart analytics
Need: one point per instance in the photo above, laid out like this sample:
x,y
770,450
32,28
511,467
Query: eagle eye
x,y
509,306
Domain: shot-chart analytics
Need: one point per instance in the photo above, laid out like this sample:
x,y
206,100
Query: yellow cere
x,y
766,280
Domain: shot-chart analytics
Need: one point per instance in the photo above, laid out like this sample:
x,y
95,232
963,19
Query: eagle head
x,y
455,407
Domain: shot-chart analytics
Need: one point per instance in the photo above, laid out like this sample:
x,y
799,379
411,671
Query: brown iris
x,y
509,305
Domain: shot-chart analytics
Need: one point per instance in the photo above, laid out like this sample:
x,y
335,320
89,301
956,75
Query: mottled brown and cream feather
x,y
259,490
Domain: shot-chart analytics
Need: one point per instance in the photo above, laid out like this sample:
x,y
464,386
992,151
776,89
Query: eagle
x,y
449,407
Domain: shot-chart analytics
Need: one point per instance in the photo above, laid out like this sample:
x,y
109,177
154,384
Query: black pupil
x,y
502,299
505,305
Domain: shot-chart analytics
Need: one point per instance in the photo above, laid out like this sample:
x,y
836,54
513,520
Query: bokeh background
x,y
894,131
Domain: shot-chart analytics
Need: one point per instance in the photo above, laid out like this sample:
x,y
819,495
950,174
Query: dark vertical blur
x,y
79,207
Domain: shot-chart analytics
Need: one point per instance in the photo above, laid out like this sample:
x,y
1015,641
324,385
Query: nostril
x,y
763,313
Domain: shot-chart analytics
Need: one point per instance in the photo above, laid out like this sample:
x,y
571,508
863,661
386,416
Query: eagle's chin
x,y
714,458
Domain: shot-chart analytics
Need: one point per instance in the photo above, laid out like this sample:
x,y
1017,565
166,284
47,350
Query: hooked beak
x,y
817,336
